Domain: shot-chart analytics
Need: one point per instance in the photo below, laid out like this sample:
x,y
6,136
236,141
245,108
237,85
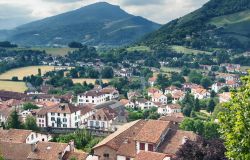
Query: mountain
x,y
97,24
218,24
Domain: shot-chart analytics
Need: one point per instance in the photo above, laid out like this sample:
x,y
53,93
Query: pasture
x,y
13,86
25,71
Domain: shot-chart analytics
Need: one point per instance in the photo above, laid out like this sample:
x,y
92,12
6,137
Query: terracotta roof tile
x,y
152,131
174,139
143,155
14,135
47,150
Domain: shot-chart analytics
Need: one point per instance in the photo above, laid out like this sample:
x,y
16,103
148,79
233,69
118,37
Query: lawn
x,y
139,48
13,86
87,80
182,49
25,71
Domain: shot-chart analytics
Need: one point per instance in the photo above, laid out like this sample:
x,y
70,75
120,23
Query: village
x,y
103,112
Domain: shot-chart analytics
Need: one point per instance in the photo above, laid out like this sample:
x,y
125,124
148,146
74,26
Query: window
x,y
52,114
142,146
52,118
64,114
64,119
150,147
64,125
58,114
106,155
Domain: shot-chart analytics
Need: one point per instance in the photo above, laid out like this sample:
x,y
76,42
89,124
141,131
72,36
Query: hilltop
x,y
97,24
218,24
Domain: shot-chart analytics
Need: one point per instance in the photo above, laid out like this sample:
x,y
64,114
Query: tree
x,y
162,81
15,78
234,123
206,82
30,123
185,71
107,72
211,105
13,121
202,150
39,72
29,106
75,45
195,77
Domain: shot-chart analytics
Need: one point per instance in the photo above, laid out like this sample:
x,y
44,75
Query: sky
x,y
17,12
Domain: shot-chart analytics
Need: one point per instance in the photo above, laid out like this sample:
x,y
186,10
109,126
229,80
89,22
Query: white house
x,y
169,109
102,120
86,112
23,136
97,96
144,104
152,81
64,116
158,97
200,93
217,86
224,97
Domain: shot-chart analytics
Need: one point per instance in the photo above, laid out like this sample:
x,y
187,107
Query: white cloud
x,y
160,11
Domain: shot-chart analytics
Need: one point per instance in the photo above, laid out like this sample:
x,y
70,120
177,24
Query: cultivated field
x,y
13,86
25,71
81,80
182,49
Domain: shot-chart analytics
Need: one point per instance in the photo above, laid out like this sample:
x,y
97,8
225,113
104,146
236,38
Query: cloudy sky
x,y
16,12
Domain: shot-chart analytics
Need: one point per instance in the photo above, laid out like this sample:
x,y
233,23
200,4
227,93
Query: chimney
x,y
33,147
72,145
184,140
60,156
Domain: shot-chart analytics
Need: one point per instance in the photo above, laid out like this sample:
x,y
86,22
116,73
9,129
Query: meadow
x,y
13,86
87,80
182,49
25,71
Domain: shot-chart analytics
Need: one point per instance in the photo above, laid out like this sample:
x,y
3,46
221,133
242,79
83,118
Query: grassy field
x,y
139,48
25,71
51,51
182,49
231,19
170,69
81,80
13,86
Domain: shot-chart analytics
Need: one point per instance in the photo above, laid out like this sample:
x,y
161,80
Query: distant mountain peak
x,y
100,23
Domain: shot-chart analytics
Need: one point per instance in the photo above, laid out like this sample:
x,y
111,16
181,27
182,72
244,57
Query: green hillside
x,y
218,24
97,24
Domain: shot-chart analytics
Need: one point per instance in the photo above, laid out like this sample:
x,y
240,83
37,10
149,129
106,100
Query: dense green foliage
x,y
143,114
13,121
83,139
7,44
75,45
195,30
29,106
206,129
234,122
20,58
30,123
